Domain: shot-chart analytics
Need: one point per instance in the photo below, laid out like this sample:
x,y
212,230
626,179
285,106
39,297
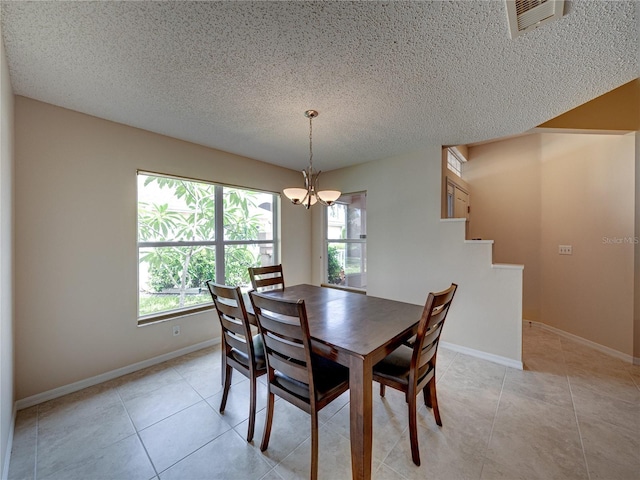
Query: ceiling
x,y
387,77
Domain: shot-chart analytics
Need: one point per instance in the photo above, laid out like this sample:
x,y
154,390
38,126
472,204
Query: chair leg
x,y
314,446
267,423
427,396
434,400
227,371
413,430
382,389
252,408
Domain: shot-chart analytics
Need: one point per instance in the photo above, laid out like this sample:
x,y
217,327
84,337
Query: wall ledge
x,y
476,242
453,219
507,362
103,377
507,266
583,341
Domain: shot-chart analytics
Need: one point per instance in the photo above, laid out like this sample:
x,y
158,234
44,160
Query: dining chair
x,y
412,367
295,373
241,350
267,278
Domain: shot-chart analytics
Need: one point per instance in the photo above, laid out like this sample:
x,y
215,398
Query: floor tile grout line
x,y
35,453
153,465
493,423
575,413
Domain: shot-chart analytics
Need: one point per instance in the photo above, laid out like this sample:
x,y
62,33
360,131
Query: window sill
x,y
166,316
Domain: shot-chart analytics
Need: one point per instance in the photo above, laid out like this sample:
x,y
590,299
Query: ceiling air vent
x,y
525,15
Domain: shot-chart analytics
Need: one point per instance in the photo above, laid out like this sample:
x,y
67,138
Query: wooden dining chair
x,y
412,367
267,278
240,349
295,373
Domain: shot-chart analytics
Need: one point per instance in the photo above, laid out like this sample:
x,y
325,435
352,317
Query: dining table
x,y
357,331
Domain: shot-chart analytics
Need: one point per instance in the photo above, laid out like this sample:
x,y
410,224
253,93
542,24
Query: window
x,y
454,161
192,231
346,242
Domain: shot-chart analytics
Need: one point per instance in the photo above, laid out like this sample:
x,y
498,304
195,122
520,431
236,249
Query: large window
x,y
190,232
346,242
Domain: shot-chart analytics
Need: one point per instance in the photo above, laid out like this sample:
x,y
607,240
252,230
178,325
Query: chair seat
x,y
396,365
328,376
258,349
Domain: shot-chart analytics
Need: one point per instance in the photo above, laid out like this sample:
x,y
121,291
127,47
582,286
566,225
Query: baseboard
x,y
583,341
507,362
7,452
89,382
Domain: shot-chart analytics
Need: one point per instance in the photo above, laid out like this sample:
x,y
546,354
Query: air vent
x,y
525,15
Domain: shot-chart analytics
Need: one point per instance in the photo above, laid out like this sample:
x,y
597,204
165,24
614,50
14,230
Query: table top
x,y
351,322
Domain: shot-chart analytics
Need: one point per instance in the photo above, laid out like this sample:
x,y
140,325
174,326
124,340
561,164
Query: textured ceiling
x,y
386,77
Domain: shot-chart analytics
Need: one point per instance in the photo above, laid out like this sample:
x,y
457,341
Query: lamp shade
x,y
295,194
329,196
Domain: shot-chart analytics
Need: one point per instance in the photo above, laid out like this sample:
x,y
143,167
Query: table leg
x,y
360,387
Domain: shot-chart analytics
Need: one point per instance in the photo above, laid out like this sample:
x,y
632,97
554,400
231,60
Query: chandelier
x,y
309,195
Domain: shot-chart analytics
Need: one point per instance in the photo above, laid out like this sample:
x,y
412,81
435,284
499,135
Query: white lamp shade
x,y
295,194
329,196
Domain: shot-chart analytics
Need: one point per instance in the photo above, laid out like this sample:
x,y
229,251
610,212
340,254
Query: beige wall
x,y
543,190
411,251
504,179
75,233
6,263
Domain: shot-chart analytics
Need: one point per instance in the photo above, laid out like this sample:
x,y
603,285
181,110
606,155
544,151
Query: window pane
x,y
238,259
248,215
171,209
346,219
171,278
347,264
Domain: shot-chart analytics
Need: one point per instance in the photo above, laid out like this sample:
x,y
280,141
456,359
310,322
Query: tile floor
x,y
573,413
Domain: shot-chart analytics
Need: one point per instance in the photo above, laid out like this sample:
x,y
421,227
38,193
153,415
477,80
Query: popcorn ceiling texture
x,y
387,78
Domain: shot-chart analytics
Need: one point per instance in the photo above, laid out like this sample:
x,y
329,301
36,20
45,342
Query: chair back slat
x,y
231,324
285,347
289,368
278,327
267,278
237,342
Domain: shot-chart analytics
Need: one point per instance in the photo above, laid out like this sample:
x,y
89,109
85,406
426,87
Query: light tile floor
x,y
573,413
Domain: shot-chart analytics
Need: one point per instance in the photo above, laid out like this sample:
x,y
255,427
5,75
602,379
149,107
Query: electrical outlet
x,y
176,330
565,250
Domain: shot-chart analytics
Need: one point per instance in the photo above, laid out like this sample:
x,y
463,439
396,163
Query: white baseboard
x,y
507,362
583,341
7,452
89,382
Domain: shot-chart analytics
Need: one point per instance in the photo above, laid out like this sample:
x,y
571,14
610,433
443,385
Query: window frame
x,y
455,161
219,244
327,241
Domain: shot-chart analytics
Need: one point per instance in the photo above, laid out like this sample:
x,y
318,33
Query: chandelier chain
x,y
311,141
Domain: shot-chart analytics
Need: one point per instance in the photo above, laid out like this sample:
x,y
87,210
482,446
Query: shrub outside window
x,y
192,231
346,242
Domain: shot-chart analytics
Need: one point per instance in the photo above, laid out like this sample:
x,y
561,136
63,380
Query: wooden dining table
x,y
356,331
